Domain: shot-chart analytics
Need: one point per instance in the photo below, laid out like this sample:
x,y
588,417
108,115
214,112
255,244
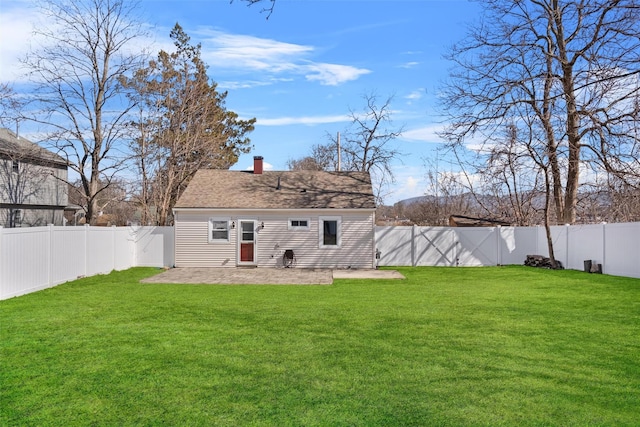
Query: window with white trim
x,y
299,224
218,230
330,230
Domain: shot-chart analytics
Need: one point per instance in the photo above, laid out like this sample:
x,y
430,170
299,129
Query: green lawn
x,y
446,346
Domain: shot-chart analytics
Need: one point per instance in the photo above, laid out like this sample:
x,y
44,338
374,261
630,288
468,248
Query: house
x,y
33,188
311,219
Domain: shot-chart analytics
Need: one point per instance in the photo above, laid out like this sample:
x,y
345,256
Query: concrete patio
x,y
266,276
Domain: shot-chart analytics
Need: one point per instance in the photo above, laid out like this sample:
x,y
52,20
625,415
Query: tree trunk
x,y
547,226
573,122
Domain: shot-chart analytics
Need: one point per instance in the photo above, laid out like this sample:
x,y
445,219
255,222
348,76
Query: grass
x,y
445,347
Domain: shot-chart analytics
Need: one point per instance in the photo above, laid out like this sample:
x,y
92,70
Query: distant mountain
x,y
412,200
468,198
592,206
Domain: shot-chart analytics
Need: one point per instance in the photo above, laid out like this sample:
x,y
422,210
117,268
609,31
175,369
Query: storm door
x,y
247,241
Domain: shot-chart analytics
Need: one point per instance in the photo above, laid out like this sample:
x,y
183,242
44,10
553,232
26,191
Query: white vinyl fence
x,y
41,257
615,246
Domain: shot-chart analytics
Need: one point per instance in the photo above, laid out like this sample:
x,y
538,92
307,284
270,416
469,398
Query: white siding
x,y
40,185
356,251
192,242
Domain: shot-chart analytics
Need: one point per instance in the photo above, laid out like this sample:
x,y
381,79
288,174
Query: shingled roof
x,y
20,148
214,188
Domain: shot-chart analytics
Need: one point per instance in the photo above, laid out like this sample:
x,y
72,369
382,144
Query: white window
x,y
299,224
330,230
218,230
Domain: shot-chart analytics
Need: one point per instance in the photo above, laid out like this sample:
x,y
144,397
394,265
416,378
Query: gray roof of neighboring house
x,y
20,148
215,188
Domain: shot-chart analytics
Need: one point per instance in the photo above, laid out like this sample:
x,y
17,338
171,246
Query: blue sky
x,y
302,70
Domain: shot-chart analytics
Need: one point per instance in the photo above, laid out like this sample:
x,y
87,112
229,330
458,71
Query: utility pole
x,y
339,154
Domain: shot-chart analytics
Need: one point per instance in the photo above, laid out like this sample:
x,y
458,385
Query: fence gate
x,y
477,247
435,246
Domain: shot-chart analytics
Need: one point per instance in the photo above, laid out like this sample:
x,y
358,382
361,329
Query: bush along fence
x,y
41,257
37,258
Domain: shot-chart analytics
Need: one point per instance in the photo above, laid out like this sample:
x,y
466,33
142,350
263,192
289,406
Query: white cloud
x,y
415,95
235,50
248,84
305,120
411,183
410,64
424,134
250,54
333,74
17,26
243,54
15,32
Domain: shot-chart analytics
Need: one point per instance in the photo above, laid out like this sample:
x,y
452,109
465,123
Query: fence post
x,y
566,253
604,246
498,231
413,245
1,258
113,252
50,250
86,249
134,237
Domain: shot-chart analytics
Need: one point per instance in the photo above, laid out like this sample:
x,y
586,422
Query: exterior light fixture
x,y
233,224
262,225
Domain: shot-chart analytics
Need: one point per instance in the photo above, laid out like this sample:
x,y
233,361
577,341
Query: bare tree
x,y
86,48
305,163
609,199
183,125
268,9
563,75
367,145
502,178
322,157
10,106
571,66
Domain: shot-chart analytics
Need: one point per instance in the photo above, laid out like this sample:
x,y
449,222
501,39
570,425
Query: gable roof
x,y
19,148
215,188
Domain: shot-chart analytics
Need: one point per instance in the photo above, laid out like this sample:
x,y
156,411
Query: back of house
x,y
308,219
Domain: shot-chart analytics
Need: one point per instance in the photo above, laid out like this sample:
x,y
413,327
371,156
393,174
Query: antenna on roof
x,y
339,155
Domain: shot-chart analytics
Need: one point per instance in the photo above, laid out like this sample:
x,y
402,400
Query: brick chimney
x,y
257,165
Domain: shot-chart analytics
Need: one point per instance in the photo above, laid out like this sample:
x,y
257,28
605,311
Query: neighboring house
x,y
33,189
252,218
